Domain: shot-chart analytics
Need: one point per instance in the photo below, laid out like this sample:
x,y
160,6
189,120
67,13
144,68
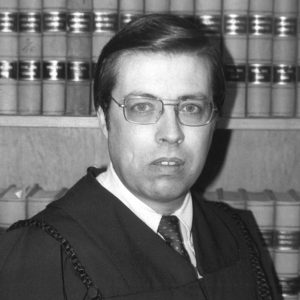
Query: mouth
x,y
168,162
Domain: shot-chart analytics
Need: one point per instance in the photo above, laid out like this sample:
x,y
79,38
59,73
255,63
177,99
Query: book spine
x,y
38,199
54,42
79,52
11,211
8,57
130,10
291,297
234,199
297,111
105,25
185,9
263,208
30,55
287,242
208,7
157,6
209,15
284,58
260,39
13,205
235,29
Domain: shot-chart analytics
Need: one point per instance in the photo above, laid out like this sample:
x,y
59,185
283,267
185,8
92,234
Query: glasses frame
x,y
123,106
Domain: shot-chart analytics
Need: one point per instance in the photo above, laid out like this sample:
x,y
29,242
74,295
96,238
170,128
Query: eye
x,y
192,107
141,107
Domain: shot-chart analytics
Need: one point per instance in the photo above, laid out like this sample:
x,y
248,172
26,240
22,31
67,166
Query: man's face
x,y
159,162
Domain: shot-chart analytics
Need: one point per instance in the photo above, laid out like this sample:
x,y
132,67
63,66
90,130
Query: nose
x,y
169,130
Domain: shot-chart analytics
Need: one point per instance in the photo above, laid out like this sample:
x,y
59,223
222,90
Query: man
x,y
137,231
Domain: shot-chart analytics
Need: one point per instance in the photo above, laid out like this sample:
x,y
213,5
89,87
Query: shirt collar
x,y
113,184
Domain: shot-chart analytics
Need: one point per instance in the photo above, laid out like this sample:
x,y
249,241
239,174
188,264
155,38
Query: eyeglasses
x,y
147,110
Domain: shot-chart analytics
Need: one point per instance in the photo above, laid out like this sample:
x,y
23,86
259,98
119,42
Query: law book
x,y
130,10
287,240
185,9
284,58
79,56
260,45
54,42
297,110
13,205
262,205
105,25
294,291
8,56
287,219
235,199
157,6
30,55
212,7
40,198
235,30
209,15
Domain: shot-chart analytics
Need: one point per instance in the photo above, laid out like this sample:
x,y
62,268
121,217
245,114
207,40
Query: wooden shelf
x,y
260,123
92,122
49,121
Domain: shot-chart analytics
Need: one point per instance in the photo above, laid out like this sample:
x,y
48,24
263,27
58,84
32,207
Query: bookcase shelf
x,y
92,122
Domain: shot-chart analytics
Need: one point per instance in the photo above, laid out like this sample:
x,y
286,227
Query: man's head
x,y
157,93
155,34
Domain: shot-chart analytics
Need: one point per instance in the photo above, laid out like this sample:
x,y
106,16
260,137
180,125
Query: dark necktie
x,y
169,229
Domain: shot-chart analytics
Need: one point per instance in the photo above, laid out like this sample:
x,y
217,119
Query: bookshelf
x,y
249,152
92,122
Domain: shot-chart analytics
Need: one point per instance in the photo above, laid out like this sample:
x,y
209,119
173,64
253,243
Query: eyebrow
x,y
196,96
141,94
200,96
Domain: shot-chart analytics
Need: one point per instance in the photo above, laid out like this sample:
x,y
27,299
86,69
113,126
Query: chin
x,y
168,193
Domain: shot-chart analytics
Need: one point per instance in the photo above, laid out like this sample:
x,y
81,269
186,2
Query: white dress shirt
x,y
113,184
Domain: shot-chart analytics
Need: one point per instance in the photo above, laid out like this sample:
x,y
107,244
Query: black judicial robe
x,y
124,257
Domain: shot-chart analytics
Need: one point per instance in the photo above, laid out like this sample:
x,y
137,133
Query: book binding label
x,y
8,69
54,70
78,71
54,21
29,70
235,24
8,22
30,22
105,21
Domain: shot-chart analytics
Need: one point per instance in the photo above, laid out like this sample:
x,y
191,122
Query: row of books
x,y
75,96
275,212
48,49
66,88
18,203
278,217
218,17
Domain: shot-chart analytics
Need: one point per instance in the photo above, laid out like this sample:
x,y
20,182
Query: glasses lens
x,y
195,112
142,110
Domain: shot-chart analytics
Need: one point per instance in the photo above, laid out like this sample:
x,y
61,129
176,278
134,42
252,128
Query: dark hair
x,y
155,33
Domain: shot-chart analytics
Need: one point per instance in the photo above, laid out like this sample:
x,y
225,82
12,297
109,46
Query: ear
x,y
102,121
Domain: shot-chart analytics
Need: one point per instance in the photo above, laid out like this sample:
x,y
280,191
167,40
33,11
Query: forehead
x,y
162,74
